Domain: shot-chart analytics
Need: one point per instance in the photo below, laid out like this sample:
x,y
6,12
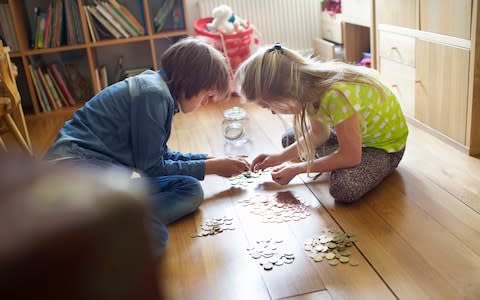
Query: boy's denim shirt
x,y
129,123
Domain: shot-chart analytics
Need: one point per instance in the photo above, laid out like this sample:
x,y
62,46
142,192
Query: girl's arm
x,y
349,153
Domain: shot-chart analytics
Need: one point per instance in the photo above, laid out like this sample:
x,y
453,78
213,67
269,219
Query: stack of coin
x,y
246,178
331,245
278,207
214,226
268,255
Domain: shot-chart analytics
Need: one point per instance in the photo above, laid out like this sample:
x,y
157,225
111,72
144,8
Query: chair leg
x,y
13,127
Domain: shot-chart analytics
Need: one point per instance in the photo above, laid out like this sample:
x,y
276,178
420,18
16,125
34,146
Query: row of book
x,y
59,24
51,87
108,19
120,74
7,31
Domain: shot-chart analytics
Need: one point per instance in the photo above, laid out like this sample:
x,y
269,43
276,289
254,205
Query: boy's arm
x,y
175,155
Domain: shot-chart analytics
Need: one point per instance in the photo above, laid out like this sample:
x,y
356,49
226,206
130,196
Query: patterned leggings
x,y
350,184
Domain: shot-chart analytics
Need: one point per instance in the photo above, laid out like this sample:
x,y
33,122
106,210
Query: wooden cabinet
x,y
448,17
357,12
441,93
433,67
397,12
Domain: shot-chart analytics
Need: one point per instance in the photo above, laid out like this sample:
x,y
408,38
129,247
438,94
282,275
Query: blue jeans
x,y
173,197
170,198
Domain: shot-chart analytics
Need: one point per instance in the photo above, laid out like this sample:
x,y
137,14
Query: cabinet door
x,y
357,12
449,17
401,13
442,88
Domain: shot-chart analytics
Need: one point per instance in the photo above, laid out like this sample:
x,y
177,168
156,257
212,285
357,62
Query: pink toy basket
x,y
236,47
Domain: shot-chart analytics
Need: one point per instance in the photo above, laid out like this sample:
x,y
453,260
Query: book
x,y
120,19
39,89
69,22
77,24
57,88
48,25
91,27
50,98
112,21
103,21
40,30
103,76
161,17
128,15
61,83
52,89
6,23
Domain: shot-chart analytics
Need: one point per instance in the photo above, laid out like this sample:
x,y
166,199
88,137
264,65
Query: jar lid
x,y
235,113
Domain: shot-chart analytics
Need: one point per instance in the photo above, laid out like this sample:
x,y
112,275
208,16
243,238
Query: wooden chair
x,y
11,112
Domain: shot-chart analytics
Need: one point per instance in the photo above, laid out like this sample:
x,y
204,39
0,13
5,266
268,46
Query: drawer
x,y
401,80
397,47
332,27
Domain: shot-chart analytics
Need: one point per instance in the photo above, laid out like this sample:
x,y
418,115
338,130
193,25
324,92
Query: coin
x,y
333,262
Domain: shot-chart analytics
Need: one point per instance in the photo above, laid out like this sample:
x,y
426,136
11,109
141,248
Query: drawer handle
x,y
396,50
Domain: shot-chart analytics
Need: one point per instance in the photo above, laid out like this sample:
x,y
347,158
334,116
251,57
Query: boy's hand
x,y
226,167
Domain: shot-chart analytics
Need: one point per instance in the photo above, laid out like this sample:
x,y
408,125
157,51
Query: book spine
x,y
63,100
104,22
128,16
40,93
48,25
121,19
106,14
52,89
91,27
51,100
61,83
69,21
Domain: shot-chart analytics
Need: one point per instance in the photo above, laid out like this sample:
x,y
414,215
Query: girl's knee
x,y
344,193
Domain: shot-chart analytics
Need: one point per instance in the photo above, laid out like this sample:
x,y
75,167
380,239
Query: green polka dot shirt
x,y
383,124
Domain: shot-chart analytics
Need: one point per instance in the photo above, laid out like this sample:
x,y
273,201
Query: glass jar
x,y
234,126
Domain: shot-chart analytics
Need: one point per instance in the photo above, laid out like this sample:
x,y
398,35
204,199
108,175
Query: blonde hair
x,y
277,73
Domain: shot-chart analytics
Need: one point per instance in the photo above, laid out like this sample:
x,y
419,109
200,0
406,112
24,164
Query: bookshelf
x,y
83,57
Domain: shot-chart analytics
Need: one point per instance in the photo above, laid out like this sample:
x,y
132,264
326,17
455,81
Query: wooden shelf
x,y
92,54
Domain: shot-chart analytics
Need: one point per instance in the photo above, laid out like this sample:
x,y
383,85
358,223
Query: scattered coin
x,y
247,178
214,226
277,207
331,245
266,252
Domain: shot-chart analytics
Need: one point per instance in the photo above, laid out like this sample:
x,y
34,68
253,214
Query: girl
x,y
127,125
345,120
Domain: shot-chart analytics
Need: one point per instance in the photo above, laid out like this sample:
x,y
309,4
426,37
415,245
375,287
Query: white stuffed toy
x,y
221,15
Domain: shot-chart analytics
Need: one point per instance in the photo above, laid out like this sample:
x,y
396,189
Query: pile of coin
x,y
331,245
246,178
214,226
268,255
277,207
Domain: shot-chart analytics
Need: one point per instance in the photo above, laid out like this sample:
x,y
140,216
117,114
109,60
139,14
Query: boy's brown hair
x,y
192,66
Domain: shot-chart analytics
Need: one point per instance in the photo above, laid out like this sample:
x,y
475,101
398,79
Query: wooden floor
x,y
418,232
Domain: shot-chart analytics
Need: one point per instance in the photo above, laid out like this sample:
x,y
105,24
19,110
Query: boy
x,y
128,124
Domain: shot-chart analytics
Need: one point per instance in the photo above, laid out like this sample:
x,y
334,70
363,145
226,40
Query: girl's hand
x,y
226,167
264,161
284,173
